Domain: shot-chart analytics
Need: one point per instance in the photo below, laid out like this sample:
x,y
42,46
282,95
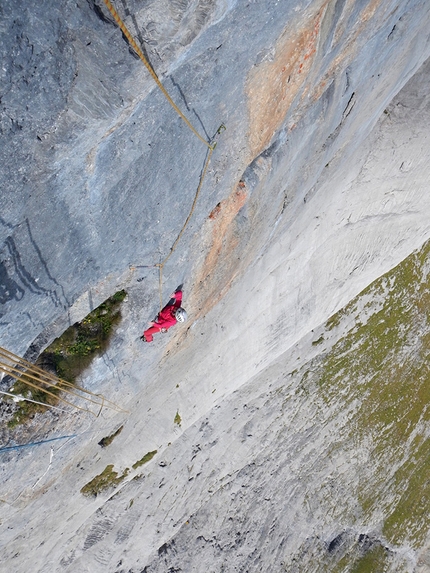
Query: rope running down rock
x,y
210,145
151,71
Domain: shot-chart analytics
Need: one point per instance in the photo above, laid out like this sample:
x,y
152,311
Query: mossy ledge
x,y
380,369
107,440
101,482
146,458
72,352
68,356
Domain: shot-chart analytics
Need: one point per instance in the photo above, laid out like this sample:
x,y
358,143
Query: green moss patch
x,y
74,350
107,479
105,442
320,339
410,512
146,458
379,371
374,561
67,357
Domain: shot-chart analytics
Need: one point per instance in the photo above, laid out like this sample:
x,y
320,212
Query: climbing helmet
x,y
181,314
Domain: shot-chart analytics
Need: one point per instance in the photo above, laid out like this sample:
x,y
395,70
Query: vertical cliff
x,y
99,172
260,435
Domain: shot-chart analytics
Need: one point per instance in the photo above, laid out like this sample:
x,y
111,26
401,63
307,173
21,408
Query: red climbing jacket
x,y
165,318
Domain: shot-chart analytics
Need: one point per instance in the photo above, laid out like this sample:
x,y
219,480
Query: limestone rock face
x,y
317,186
99,172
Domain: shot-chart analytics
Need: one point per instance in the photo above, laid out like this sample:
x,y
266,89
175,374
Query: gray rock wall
x,y
298,213
97,171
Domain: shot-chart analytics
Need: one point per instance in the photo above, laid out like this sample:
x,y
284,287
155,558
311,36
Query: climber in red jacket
x,y
167,317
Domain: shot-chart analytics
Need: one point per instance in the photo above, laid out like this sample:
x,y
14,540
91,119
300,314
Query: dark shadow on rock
x,y
99,12
336,542
181,93
9,289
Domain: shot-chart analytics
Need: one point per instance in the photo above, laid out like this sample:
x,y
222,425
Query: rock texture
x,y
98,171
300,210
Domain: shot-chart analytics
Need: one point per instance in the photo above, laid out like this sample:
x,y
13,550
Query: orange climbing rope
x,y
210,145
150,69
173,247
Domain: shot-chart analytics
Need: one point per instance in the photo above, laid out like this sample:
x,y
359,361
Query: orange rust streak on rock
x,y
229,208
272,86
219,267
215,212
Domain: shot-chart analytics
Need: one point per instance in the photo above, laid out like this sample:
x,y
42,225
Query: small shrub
x,y
74,350
105,442
144,460
177,419
107,479
316,342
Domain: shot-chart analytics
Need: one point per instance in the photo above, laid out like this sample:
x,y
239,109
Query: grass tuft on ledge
x,y
146,458
67,357
105,480
106,441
